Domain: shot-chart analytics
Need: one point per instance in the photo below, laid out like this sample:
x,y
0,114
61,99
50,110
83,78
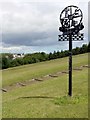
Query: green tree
x,y
0,61
76,51
55,55
83,49
50,56
5,62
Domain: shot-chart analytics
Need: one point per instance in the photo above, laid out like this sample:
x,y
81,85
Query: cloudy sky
x,y
29,26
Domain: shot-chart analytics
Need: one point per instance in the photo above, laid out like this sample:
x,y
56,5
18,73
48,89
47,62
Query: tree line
x,y
6,59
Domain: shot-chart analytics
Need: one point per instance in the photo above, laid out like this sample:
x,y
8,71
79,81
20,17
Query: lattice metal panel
x,y
63,37
75,37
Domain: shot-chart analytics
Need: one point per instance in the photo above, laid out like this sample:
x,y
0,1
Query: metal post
x,y
70,26
70,65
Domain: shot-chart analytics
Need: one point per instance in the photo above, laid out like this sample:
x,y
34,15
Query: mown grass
x,y
27,72
49,99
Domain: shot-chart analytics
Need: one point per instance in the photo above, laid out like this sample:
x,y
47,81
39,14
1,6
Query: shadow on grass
x,y
46,97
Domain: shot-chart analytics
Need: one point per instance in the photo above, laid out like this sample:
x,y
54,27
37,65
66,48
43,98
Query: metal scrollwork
x,y
71,20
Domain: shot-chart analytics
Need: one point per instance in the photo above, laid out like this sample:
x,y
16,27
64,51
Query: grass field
x,y
47,99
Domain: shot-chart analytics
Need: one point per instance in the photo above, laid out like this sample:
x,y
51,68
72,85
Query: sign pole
x,y
70,65
71,24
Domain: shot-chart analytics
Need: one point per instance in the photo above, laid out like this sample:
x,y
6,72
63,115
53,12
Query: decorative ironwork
x,y
71,20
76,37
71,23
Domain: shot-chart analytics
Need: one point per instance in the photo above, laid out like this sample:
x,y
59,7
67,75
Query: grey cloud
x,y
88,20
34,24
30,39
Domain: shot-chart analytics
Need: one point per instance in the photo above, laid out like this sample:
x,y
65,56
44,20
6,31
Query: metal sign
x,y
76,37
71,23
71,20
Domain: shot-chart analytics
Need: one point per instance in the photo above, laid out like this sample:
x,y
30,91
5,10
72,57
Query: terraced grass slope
x,y
27,72
48,98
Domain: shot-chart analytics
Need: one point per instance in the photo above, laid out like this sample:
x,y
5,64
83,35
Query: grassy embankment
x,y
47,99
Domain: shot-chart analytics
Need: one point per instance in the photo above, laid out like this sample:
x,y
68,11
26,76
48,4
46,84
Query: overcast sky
x,y
29,26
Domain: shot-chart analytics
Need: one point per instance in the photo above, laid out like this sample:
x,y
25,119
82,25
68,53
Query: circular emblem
x,y
71,18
